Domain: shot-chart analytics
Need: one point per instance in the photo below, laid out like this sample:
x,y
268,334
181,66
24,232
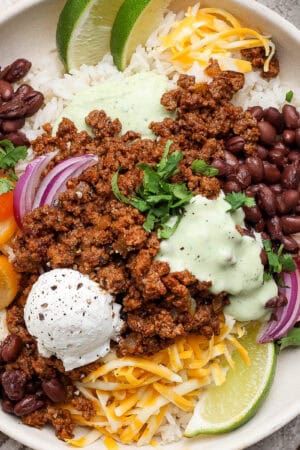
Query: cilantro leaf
x,y
200,166
10,155
292,339
238,199
160,199
6,185
277,261
289,96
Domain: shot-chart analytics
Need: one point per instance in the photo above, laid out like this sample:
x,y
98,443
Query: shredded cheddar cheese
x,y
207,33
133,395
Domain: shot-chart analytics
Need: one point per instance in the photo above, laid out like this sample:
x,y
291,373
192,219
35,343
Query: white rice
x,y
59,88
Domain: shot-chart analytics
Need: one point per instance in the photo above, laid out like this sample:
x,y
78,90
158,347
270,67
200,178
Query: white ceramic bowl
x,y
28,30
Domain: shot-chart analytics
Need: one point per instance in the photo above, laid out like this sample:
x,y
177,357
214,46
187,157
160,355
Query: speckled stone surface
x,y
288,438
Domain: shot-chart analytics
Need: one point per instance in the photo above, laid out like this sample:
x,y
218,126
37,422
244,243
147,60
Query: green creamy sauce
x,y
134,100
207,244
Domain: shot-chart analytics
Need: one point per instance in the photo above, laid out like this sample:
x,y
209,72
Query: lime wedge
x,y
83,31
226,407
135,21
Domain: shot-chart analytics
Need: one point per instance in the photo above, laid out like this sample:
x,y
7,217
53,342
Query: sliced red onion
x,y
27,185
55,181
288,315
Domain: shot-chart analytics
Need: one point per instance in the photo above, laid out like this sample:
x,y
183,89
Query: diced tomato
x,y
6,205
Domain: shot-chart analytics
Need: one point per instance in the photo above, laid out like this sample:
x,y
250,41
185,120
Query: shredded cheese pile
x,y
213,33
132,395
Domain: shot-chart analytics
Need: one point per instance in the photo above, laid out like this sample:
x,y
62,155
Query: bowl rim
x,y
9,428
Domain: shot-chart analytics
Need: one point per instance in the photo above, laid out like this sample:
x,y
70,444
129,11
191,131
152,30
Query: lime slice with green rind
x,y
134,23
83,31
224,408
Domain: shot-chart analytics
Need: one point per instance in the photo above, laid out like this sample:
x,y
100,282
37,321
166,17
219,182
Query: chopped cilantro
x,y
6,185
156,197
289,96
200,166
238,199
292,339
10,155
277,261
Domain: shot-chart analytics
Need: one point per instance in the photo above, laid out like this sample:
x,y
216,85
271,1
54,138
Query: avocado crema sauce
x,y
134,100
206,241
207,244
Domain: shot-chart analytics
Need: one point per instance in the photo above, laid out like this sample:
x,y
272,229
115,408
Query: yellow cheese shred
x,y
213,33
132,395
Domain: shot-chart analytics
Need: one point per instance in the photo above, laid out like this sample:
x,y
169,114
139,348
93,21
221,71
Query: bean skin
x,y
262,152
271,173
13,382
290,244
223,168
54,390
257,112
11,348
267,133
297,136
9,126
6,90
231,159
252,214
28,405
277,157
289,137
290,224
255,167
274,117
260,226
267,200
235,144
289,178
23,90
231,186
274,228
290,117
242,177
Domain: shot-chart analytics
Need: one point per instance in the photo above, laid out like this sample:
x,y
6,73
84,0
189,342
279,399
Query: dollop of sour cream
x,y
207,243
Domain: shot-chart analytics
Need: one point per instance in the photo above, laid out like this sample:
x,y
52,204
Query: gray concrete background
x,y
288,438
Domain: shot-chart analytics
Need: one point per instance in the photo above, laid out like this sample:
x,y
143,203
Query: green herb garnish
x,y
289,96
277,261
200,166
292,339
10,155
238,199
156,197
6,185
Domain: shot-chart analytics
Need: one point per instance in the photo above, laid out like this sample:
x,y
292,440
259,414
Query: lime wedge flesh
x,y
84,29
226,407
135,21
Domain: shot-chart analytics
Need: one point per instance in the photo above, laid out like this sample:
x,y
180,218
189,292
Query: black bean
x,y
257,112
267,200
231,159
260,226
289,137
290,244
290,178
255,167
290,224
271,173
263,258
290,116
267,133
294,155
231,186
235,144
8,406
274,117
13,382
280,146
17,70
18,138
262,152
223,168
252,214
33,101
276,188
6,90
28,405
242,177
8,126
274,228
54,389
297,136
277,157
11,348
